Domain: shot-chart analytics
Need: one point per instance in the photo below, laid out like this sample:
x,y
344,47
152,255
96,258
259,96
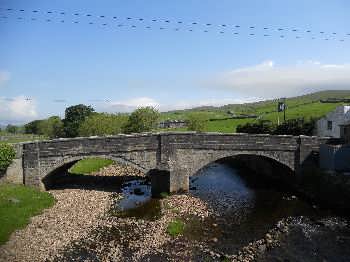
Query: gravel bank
x,y
74,215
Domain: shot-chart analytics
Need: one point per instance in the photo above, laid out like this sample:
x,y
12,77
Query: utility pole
x,y
281,106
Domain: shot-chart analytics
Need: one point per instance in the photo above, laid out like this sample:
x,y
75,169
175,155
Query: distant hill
x,y
301,106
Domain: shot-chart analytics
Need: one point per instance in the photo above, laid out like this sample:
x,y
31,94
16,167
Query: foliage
x,y
17,204
296,127
11,129
176,227
261,127
7,154
89,165
51,127
32,127
143,119
197,121
74,116
99,124
293,127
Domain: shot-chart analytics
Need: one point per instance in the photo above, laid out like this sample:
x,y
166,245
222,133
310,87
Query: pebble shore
x,y
79,227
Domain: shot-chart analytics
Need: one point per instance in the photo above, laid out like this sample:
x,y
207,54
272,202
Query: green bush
x,y
143,119
7,154
293,127
261,127
99,124
197,121
296,127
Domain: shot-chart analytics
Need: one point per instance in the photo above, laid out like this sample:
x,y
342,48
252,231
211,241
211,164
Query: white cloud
x,y
4,77
132,104
208,102
17,109
268,80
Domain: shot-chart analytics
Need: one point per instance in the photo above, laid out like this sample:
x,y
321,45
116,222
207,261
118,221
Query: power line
x,y
223,28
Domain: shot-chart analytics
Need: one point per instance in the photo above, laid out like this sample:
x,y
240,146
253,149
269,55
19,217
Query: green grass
x,y
17,138
305,106
17,204
89,165
164,194
176,227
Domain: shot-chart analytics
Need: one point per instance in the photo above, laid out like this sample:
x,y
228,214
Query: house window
x,y
329,125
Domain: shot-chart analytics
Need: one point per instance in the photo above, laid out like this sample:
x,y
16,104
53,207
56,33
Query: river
x,y
251,219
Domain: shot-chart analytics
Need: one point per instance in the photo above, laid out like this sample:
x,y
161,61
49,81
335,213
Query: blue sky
x,y
117,68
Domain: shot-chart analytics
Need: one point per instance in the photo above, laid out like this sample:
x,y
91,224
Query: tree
x,y
143,119
197,122
74,116
51,127
32,127
99,124
11,129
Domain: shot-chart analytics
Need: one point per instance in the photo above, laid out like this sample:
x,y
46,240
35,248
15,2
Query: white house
x,y
333,123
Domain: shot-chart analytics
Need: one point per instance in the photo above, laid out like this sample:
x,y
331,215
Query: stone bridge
x,y
176,155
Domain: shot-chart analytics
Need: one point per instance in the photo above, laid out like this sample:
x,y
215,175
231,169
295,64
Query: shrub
x,y
99,124
293,127
261,127
197,122
296,127
143,119
7,154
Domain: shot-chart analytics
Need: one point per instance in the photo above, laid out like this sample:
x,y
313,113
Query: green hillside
x,y
302,106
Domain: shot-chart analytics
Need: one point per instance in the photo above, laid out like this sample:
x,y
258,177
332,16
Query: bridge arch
x,y
281,158
66,162
264,166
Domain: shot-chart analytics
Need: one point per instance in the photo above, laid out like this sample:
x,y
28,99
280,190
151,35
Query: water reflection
x,y
137,201
245,207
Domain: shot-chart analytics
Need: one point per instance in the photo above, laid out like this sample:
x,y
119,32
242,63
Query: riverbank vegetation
x,y
89,165
17,204
176,227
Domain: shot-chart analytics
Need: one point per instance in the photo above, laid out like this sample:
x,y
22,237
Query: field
x,y
89,165
219,118
17,205
17,138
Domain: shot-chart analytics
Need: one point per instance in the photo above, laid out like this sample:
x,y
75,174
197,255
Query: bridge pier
x,y
165,181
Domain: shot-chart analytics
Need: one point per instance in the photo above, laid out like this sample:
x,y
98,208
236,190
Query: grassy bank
x,y
220,120
17,204
89,165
